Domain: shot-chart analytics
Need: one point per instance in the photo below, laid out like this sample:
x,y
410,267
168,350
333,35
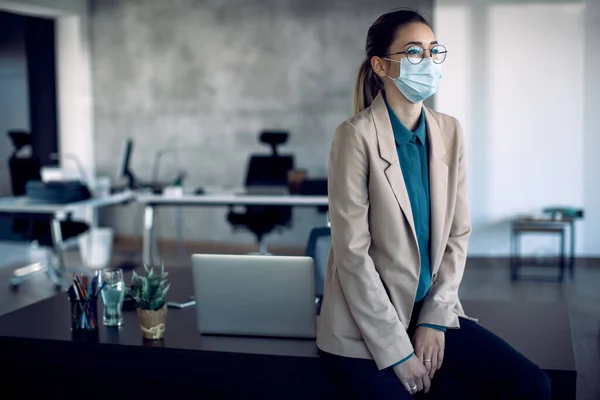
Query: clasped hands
x,y
417,372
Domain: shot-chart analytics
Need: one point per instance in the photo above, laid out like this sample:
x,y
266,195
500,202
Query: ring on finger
x,y
427,360
413,388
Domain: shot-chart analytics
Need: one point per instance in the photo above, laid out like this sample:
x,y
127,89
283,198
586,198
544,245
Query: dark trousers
x,y
477,365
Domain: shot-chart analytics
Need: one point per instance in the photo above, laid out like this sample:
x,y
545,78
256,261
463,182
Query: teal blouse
x,y
413,154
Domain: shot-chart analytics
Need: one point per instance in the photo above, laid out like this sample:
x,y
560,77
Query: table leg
x,y
572,252
57,243
180,245
562,255
515,259
512,258
55,274
148,234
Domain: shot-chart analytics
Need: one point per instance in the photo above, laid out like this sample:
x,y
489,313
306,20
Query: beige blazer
x,y
374,244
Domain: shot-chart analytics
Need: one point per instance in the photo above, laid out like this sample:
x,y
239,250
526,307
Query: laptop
x,y
244,295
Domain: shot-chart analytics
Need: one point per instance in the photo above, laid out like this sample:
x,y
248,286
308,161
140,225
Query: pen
x,y
77,283
101,288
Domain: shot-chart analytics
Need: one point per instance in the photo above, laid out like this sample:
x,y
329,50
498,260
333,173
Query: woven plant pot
x,y
153,323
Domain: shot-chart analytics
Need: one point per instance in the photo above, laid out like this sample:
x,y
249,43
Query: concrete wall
x,y
522,78
204,77
14,96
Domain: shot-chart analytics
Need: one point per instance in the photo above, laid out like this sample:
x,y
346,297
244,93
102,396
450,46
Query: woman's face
x,y
409,39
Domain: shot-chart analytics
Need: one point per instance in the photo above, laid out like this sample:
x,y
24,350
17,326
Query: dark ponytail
x,y
379,39
368,84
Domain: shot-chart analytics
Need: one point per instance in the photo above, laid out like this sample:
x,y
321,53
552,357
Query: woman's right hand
x,y
412,373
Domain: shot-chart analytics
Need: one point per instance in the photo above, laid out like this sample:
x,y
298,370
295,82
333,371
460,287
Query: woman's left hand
x,y
429,348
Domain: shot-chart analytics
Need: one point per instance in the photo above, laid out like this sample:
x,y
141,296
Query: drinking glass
x,y
113,295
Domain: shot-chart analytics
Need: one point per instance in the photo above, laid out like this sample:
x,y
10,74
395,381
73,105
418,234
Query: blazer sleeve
x,y
438,306
369,304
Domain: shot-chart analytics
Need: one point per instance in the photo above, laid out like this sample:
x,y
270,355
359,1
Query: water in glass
x,y
113,295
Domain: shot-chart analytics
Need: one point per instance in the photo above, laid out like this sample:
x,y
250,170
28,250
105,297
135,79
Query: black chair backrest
x,y
23,170
23,166
315,187
269,170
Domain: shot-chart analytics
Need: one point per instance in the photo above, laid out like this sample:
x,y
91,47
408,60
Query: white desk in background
x,y
58,212
151,202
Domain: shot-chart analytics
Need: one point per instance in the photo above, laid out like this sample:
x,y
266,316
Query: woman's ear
x,y
379,66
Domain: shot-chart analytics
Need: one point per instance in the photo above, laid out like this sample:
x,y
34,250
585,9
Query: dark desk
x,y
38,354
37,350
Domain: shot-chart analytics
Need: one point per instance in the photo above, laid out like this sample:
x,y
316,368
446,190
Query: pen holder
x,y
84,315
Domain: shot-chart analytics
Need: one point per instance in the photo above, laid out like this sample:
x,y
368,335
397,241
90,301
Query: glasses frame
x,y
445,53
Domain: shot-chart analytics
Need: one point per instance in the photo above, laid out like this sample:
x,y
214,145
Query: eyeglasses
x,y
416,54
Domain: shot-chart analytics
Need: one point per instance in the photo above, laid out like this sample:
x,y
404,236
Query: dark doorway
x,y
41,70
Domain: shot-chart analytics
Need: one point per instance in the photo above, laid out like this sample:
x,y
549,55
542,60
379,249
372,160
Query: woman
x,y
391,324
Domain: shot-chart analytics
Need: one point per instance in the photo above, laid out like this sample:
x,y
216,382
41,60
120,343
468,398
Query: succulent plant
x,y
149,291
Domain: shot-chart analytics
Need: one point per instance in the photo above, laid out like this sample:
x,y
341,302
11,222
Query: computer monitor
x,y
125,170
132,181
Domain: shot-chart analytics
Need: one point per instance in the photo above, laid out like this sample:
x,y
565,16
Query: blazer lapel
x,y
438,187
388,152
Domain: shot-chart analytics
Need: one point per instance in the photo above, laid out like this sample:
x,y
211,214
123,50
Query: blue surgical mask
x,y
417,81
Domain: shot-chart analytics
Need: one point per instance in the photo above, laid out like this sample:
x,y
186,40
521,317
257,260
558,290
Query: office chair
x,y
24,166
315,187
265,171
318,245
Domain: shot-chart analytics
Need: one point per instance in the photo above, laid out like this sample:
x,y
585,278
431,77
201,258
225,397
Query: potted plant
x,y
148,293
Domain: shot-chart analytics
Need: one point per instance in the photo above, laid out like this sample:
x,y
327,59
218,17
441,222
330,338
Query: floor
x,y
484,279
